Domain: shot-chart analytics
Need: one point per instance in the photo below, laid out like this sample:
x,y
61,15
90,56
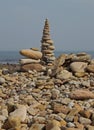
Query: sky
x,y
71,24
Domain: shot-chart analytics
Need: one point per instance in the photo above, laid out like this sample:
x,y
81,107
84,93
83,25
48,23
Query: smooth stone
x,y
53,125
45,44
32,66
34,49
81,94
82,57
55,93
90,127
47,51
69,124
31,54
2,80
90,68
51,47
50,41
18,113
37,126
59,108
78,66
84,121
27,61
64,74
80,74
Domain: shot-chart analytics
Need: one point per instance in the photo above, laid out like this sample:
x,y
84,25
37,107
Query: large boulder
x,y
31,54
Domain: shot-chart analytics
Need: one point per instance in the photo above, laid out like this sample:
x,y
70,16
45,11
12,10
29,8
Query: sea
x,y
13,57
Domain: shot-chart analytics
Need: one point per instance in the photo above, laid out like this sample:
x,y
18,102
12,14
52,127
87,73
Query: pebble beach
x,y
43,92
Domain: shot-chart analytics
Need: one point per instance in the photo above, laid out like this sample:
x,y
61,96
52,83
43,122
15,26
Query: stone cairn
x,y
31,60
47,47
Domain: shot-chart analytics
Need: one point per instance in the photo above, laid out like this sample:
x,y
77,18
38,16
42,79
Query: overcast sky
x,y
71,23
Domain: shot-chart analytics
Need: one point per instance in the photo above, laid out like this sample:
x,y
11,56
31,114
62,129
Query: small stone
x,y
84,121
70,124
81,94
55,93
2,80
53,125
37,126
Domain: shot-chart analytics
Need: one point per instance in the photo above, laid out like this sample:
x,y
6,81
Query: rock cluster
x,y
47,47
61,100
32,60
67,65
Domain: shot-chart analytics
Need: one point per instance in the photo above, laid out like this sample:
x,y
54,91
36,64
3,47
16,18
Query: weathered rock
x,y
31,54
78,66
82,94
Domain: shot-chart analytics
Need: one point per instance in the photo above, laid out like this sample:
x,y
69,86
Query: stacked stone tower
x,y
47,47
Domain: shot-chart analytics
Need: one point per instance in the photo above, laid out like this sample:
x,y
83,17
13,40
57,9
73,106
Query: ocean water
x,y
13,57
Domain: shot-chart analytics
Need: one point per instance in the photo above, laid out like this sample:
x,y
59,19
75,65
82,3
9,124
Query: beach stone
x,y
89,127
19,113
31,54
59,108
55,93
53,125
51,47
2,80
71,114
82,94
27,61
85,113
69,124
64,74
78,66
37,126
32,66
84,121
90,68
47,51
80,74
50,41
57,64
5,71
34,49
82,57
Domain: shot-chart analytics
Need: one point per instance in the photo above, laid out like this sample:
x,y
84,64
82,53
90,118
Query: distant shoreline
x,y
13,57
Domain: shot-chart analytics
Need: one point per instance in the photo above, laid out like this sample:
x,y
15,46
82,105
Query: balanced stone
x,y
27,61
31,54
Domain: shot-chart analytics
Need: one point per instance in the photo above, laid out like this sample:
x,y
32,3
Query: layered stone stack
x,y
32,60
47,47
